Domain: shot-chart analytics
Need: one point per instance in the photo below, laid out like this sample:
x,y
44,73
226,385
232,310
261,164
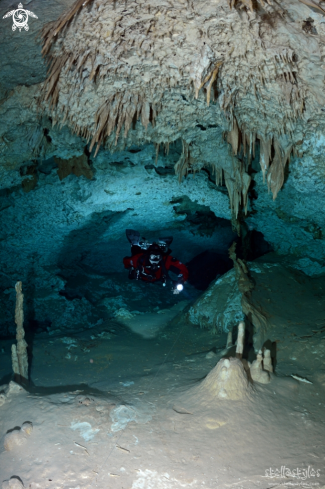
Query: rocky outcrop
x,y
281,296
219,308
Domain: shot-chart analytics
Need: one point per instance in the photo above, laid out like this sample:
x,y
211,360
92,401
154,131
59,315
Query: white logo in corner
x,y
20,18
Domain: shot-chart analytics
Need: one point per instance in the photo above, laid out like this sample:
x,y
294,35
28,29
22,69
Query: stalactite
x,y
218,175
233,137
50,87
157,153
275,177
229,340
84,63
183,164
265,154
214,75
52,29
313,4
237,183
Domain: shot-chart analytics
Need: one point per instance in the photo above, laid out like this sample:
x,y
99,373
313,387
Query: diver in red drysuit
x,y
153,265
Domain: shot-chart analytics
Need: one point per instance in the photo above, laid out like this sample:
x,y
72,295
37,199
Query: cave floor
x,y
106,410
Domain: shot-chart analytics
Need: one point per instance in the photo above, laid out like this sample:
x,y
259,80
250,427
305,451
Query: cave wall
x,y
295,222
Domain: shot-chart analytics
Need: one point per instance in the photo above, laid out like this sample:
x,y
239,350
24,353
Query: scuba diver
x,y
151,262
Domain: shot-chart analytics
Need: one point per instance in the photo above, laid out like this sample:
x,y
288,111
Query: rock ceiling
x,y
241,85
255,72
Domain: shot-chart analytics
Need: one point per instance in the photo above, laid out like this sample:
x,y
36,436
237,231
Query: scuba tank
x,y
142,244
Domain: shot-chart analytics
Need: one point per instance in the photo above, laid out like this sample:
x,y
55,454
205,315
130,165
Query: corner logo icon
x,y
20,18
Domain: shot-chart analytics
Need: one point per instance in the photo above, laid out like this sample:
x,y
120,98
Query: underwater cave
x,y
162,264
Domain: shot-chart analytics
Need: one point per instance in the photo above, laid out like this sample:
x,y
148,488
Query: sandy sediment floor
x,y
125,407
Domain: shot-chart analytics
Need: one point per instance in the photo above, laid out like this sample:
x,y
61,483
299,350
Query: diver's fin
x,y
132,236
167,241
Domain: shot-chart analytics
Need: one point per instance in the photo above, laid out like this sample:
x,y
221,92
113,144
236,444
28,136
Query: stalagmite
x,y
13,483
240,340
19,352
267,361
257,372
227,380
17,437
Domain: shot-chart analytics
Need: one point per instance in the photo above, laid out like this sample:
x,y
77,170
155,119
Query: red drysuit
x,y
148,274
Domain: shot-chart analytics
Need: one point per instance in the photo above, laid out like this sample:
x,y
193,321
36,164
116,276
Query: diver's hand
x,y
175,288
132,273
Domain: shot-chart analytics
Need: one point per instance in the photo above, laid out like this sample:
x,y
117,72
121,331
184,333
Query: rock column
x,y
19,352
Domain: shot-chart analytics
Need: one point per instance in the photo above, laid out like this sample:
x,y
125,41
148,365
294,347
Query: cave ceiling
x,y
239,86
